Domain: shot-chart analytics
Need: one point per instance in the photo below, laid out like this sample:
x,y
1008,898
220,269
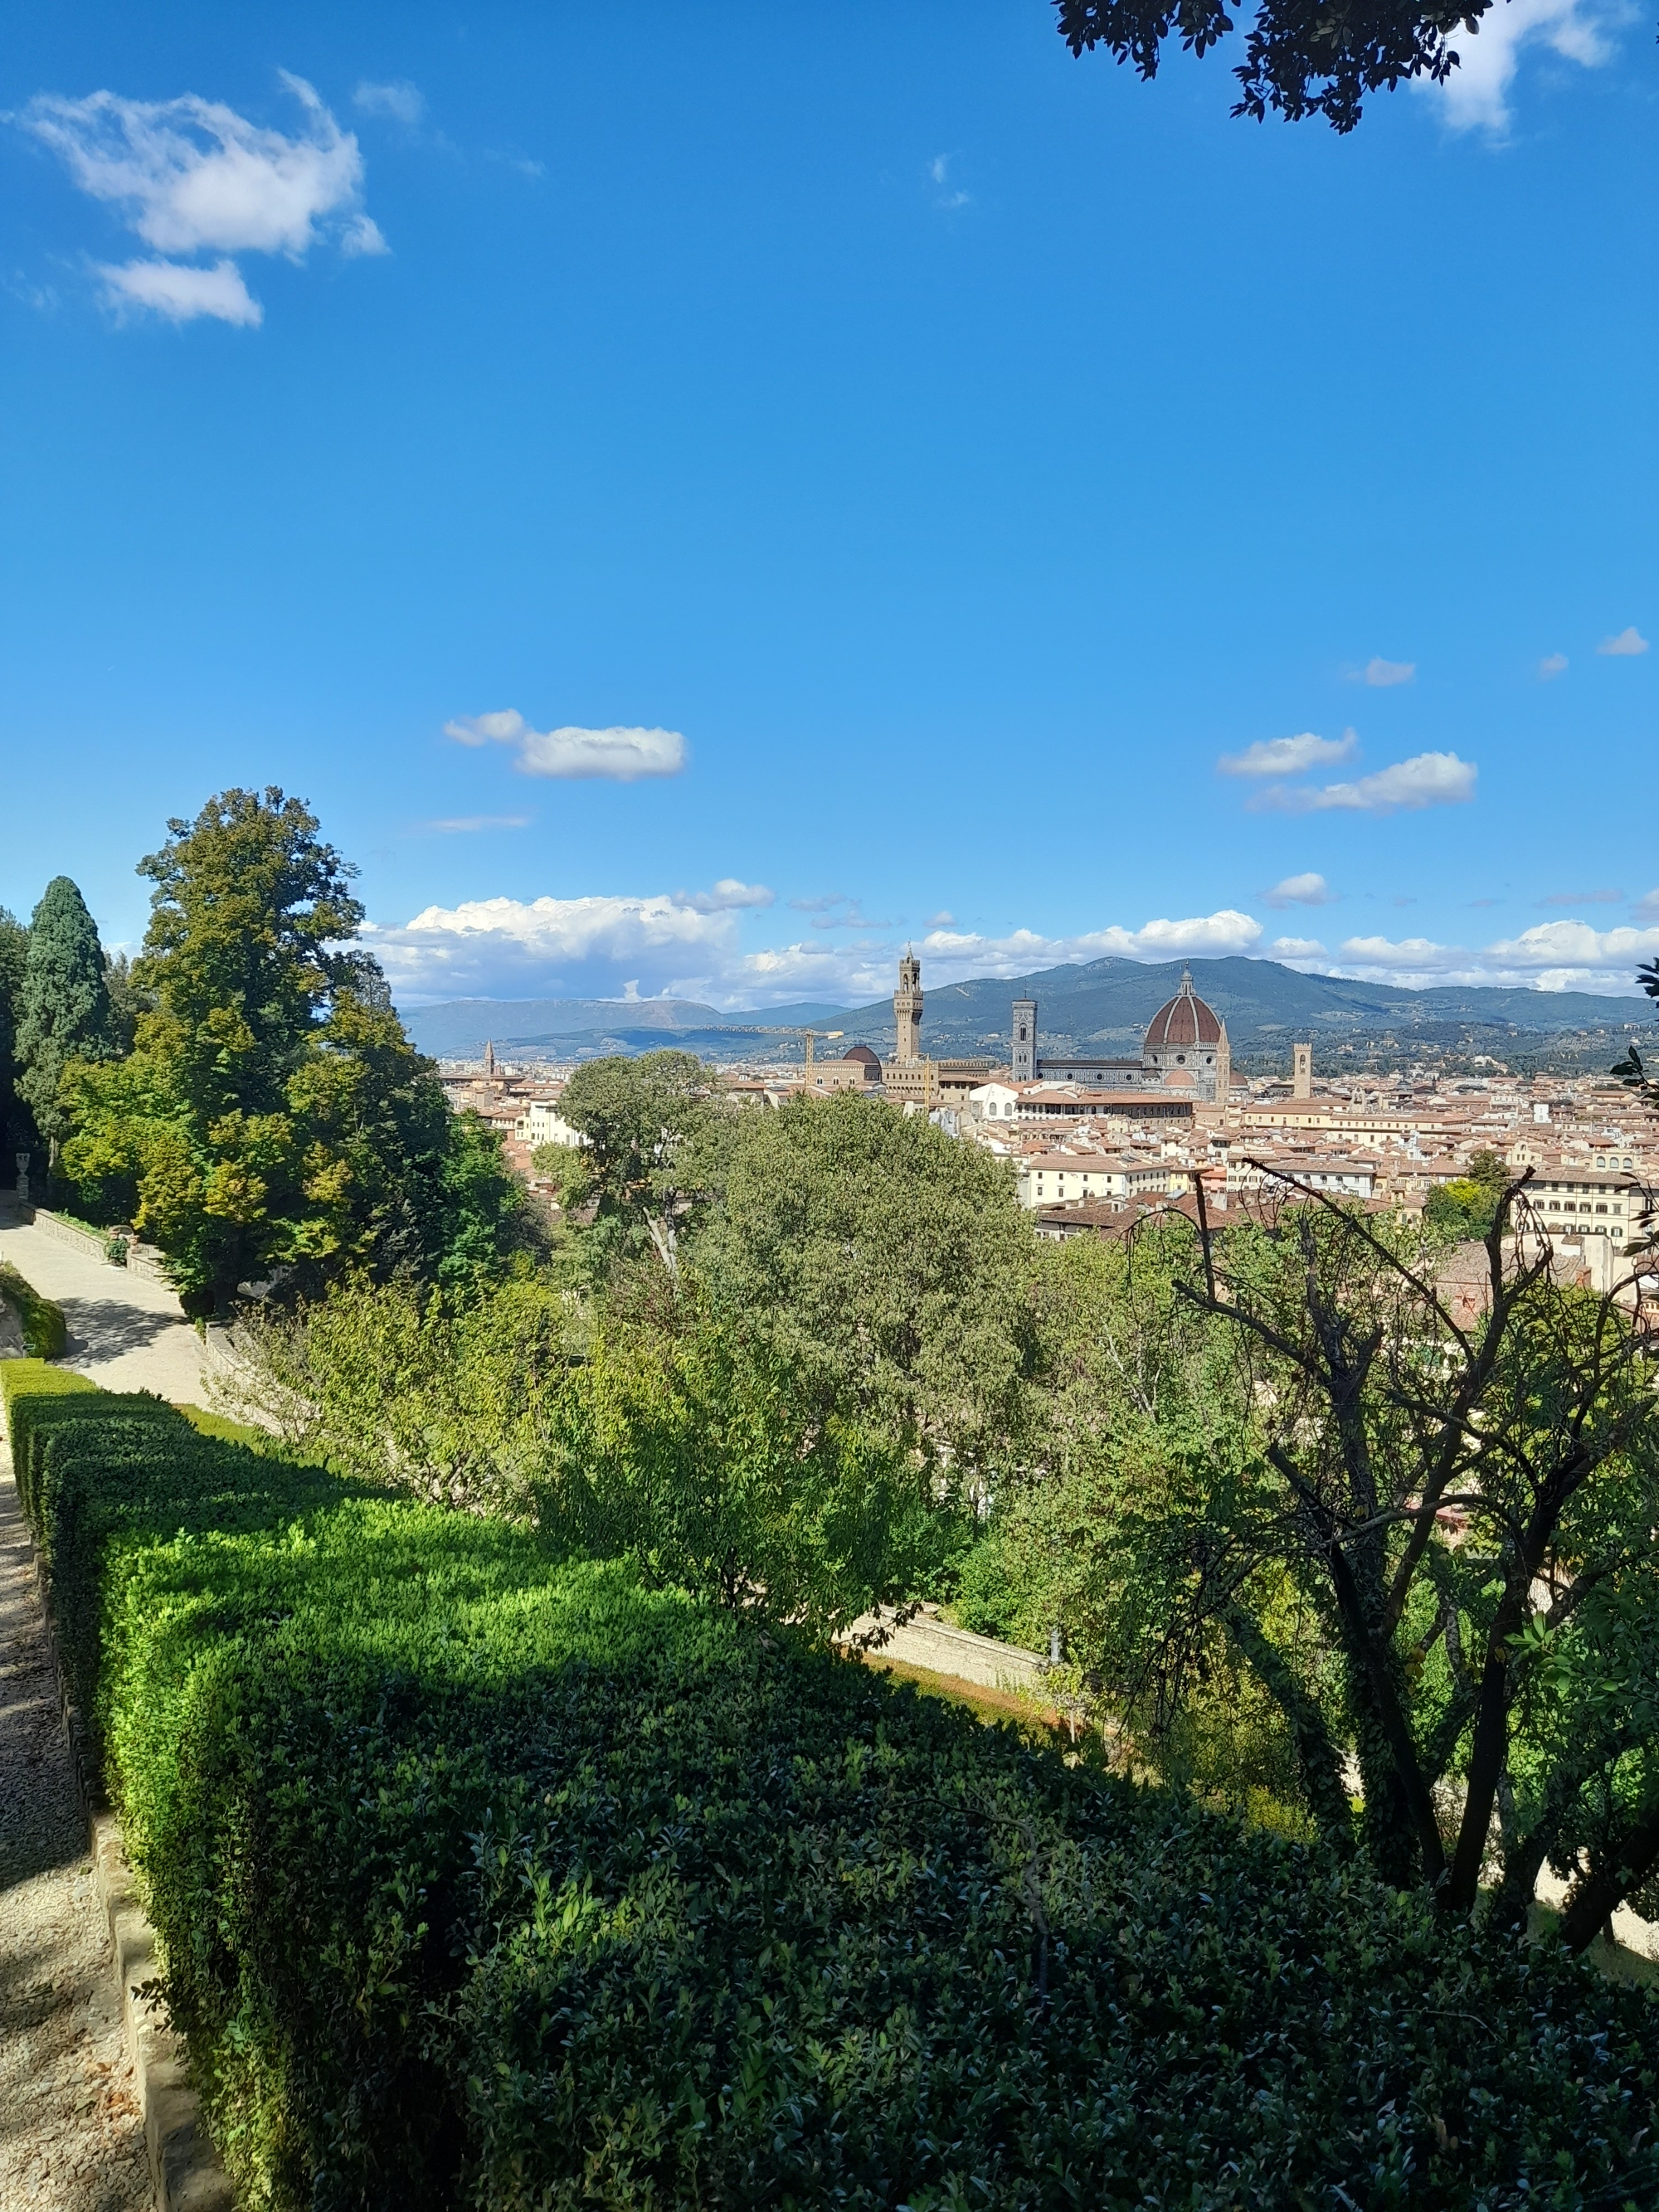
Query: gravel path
x,y
70,2135
126,1333
72,2138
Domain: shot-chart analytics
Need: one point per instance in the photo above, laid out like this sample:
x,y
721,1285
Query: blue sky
x,y
697,497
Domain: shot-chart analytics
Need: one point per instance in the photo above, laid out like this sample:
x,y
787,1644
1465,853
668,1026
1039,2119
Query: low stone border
x,y
67,1233
184,2171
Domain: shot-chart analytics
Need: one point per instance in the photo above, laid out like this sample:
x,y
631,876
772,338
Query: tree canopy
x,y
272,1113
64,1013
1302,58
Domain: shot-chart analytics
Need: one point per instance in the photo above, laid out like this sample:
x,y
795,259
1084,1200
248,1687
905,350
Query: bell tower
x,y
1022,1056
1302,1071
907,1009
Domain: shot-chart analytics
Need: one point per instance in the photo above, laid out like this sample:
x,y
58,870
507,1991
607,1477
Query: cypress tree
x,y
17,1130
65,1010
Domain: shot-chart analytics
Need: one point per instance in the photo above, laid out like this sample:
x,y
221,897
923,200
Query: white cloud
x,y
1426,779
403,101
1226,931
1288,756
190,176
1551,666
1295,948
1309,890
181,292
688,946
1649,903
943,919
1475,96
621,755
939,172
1382,675
1575,947
1413,955
1625,646
728,896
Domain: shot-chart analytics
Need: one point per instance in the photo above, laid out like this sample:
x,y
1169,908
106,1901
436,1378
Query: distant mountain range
x,y
1104,1004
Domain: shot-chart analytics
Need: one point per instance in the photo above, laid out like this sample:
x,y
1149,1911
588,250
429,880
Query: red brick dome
x,y
1183,1020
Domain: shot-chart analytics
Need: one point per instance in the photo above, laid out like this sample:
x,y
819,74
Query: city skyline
x,y
695,512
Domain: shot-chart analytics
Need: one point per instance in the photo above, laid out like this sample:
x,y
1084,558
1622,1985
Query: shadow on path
x,y
104,1328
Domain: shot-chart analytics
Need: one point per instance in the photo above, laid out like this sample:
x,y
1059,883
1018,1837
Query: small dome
x,y
1183,1020
862,1051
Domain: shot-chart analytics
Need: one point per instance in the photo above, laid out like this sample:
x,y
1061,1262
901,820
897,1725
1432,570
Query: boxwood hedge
x,y
491,1880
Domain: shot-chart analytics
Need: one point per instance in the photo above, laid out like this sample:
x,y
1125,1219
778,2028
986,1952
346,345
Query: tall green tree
x,y
16,1129
886,1265
65,1012
1431,1544
273,1115
642,1121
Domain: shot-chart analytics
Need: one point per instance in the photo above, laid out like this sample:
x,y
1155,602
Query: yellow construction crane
x,y
810,1035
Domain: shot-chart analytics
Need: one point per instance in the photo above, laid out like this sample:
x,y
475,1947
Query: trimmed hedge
x,y
487,1880
45,1331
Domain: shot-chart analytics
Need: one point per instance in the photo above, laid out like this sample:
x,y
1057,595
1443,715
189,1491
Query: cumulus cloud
x,y
1410,955
1309,890
191,176
1288,756
1551,666
1295,948
181,292
1628,643
1383,675
1475,96
1578,948
400,100
689,944
728,896
621,755
1426,779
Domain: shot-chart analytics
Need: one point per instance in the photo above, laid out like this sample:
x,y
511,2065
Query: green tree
x,y
272,1113
1431,1545
642,1120
1302,58
17,1130
884,1264
65,1007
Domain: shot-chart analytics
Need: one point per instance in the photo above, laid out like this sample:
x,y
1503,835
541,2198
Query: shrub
x,y
488,1879
45,1330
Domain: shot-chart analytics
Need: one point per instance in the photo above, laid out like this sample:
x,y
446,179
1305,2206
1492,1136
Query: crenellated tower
x,y
907,1009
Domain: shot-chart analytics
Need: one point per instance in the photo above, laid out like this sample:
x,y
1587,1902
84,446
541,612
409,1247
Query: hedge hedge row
x,y
45,1331
490,1880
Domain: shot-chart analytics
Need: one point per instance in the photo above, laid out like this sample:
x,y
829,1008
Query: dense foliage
x,y
17,1130
486,1880
45,1331
64,1011
1302,58
272,1115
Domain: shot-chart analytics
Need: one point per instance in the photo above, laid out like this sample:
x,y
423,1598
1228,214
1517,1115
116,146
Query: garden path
x,y
125,1332
71,2137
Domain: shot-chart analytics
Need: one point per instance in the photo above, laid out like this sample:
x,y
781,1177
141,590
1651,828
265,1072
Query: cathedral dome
x,y
1183,1020
863,1053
